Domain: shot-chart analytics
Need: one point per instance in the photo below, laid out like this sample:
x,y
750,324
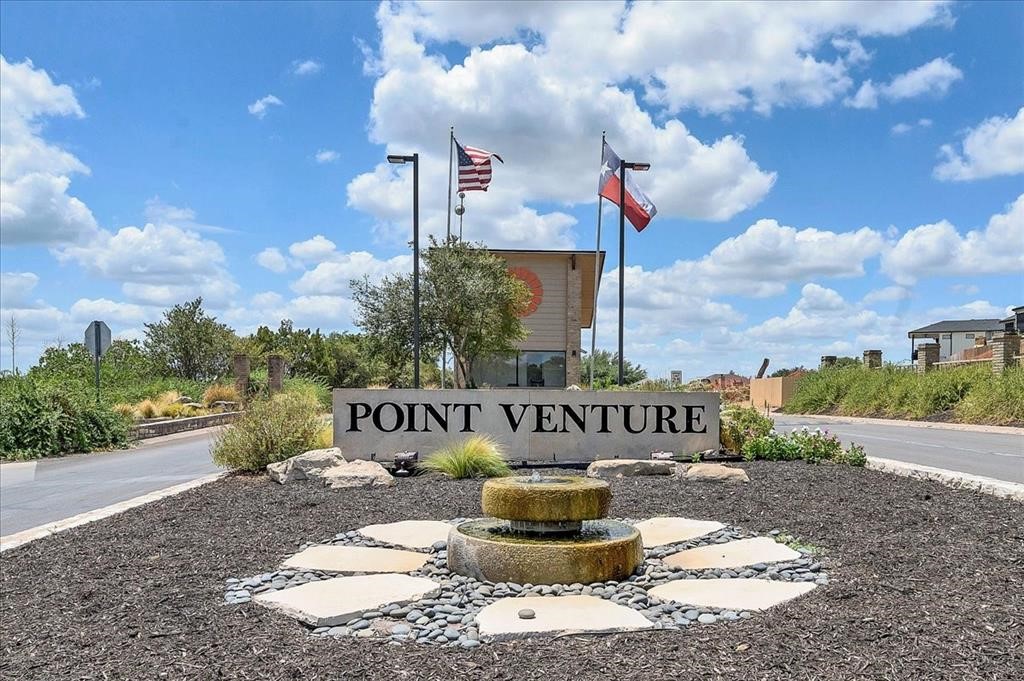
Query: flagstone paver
x,y
556,614
734,594
356,559
417,534
732,554
335,601
660,531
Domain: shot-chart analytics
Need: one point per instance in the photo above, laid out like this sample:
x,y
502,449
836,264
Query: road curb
x,y
25,536
938,425
979,483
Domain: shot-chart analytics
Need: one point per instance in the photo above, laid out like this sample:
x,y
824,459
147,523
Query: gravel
x,y
924,584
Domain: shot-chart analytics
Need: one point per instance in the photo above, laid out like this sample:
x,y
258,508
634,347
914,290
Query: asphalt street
x,y
37,492
993,455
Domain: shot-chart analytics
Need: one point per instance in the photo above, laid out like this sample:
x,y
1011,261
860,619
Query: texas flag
x,y
639,207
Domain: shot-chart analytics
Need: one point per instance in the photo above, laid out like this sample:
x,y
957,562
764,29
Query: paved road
x,y
994,455
39,492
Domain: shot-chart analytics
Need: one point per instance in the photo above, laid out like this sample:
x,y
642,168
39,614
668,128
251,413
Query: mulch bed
x,y
928,583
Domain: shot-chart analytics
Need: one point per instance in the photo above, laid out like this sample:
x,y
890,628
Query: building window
x,y
533,369
969,336
947,336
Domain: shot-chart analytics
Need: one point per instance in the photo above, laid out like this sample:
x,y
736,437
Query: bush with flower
x,y
813,446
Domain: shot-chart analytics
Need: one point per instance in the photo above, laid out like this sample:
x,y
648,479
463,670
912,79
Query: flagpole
x,y
597,275
622,264
448,235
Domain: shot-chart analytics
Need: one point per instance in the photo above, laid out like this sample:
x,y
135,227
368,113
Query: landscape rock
x,y
307,465
628,468
358,473
714,472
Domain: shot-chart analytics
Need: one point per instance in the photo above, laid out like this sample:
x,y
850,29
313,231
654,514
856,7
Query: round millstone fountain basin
x,y
556,499
489,550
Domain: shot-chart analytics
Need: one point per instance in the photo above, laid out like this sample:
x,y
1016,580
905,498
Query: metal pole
x,y
622,264
416,270
96,337
448,235
597,276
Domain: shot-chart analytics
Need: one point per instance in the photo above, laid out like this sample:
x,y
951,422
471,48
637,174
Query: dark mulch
x,y
928,583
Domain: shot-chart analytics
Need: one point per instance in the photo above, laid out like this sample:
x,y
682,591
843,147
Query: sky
x,y
827,176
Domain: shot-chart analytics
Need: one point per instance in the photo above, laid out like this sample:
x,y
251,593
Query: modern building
x,y
562,283
955,335
1015,322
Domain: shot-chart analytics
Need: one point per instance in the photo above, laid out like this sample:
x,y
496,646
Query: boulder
x,y
358,473
306,465
194,405
226,405
628,468
713,472
184,399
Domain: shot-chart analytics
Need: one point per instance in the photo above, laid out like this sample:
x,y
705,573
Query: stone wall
x,y
240,368
143,431
927,356
1005,351
873,359
572,322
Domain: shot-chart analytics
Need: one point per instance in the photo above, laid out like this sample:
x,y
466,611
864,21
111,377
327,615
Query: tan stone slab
x,y
558,614
732,554
734,594
417,534
330,602
356,559
661,531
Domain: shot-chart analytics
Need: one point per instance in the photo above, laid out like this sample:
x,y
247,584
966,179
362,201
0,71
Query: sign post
x,y
97,341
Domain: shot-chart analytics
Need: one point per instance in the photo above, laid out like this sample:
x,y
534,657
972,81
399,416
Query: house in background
x,y
955,335
1015,322
723,381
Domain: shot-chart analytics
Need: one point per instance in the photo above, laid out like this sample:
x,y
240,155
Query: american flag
x,y
474,168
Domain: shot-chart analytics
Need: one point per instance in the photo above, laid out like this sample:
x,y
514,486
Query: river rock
x,y
306,465
628,468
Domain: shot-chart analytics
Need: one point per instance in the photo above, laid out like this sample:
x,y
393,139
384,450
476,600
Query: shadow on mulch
x,y
927,584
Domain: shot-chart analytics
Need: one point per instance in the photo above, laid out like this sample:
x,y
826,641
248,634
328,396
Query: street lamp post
x,y
623,166
415,160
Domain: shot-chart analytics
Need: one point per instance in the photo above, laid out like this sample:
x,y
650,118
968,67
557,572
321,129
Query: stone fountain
x,y
545,530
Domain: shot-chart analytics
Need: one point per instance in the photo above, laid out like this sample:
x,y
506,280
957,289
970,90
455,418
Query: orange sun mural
x,y
532,281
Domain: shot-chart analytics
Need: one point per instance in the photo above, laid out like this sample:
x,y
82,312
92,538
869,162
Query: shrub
x,y
478,456
125,410
44,420
172,411
219,392
315,389
738,424
854,456
771,447
325,436
817,445
813,446
147,409
269,430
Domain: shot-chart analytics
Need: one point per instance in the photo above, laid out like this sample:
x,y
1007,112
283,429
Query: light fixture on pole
x,y
415,160
460,210
623,166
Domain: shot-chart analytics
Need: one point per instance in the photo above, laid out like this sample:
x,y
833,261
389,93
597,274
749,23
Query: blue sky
x,y
827,176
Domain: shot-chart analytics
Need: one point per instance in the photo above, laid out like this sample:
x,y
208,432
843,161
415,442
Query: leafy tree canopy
x,y
606,370
189,344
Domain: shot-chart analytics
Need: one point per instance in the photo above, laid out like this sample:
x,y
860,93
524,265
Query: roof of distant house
x,y
715,377
958,325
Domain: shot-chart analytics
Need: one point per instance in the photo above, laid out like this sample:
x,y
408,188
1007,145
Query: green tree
x,y
189,344
469,305
125,371
606,370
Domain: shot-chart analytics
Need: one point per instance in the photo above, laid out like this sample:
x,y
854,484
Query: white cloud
x,y
110,311
904,128
965,289
161,213
978,309
314,250
35,175
266,299
306,67
332,277
995,147
158,264
885,294
822,315
272,259
939,249
326,156
16,287
934,78
260,106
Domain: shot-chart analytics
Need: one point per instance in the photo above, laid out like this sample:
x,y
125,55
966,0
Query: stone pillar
x,y
240,368
275,373
873,359
827,361
1005,348
927,356
572,321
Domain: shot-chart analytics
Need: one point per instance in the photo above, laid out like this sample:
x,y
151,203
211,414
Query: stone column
x,y
572,322
1005,348
827,361
240,368
873,359
927,356
275,373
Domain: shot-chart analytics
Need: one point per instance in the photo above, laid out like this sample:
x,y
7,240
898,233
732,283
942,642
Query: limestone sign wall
x,y
532,425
